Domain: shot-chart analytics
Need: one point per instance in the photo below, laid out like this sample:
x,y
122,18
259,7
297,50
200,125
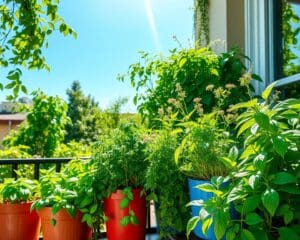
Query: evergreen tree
x,y
85,116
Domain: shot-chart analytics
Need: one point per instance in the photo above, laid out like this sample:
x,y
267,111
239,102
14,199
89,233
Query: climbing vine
x,y
201,22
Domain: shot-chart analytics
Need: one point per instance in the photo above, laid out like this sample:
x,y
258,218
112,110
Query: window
x,y
287,46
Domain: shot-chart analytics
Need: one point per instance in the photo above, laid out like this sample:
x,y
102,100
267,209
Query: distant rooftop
x,y
13,117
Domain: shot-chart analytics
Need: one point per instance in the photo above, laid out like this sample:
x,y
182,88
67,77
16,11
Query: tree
x,y
85,115
44,128
25,26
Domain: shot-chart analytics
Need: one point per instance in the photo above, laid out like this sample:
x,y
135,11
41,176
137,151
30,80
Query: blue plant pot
x,y
196,194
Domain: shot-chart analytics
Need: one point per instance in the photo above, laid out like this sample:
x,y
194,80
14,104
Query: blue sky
x,y
110,34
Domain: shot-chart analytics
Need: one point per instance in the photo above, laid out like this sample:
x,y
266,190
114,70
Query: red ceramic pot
x,y
17,222
114,213
66,227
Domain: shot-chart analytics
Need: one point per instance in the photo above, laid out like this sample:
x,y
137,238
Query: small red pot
x,y
114,213
66,227
17,222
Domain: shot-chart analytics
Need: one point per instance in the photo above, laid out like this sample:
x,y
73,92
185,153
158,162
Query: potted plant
x,y
66,202
166,184
264,186
204,143
120,171
16,220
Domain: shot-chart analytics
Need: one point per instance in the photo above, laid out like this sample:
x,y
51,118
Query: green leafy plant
x,y
166,184
155,80
24,170
44,128
18,191
70,189
73,149
264,186
203,145
119,161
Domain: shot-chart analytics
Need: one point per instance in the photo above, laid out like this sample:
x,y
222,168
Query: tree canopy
x,y
25,26
44,128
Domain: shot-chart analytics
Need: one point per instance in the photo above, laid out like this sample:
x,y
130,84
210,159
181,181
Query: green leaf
x,y
206,224
55,208
228,162
254,180
192,223
221,221
207,187
248,104
270,200
134,220
230,234
288,217
253,218
53,222
266,93
250,204
247,235
288,233
124,203
24,89
93,208
125,221
262,120
284,178
182,62
279,145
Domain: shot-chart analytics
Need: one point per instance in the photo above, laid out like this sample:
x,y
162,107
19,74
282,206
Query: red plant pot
x,y
17,222
114,213
66,227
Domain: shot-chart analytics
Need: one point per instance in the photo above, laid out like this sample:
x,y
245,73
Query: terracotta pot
x,y
16,222
114,213
66,227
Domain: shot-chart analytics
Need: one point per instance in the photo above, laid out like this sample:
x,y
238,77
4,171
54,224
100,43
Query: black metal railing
x,y
37,162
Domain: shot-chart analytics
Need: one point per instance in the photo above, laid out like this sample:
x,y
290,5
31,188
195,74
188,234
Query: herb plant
x,y
70,189
18,191
264,186
155,80
119,160
166,184
203,144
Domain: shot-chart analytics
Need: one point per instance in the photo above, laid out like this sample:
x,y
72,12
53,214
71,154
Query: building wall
x,y
5,128
226,22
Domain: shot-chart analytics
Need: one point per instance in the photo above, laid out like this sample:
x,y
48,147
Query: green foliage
x,y
167,185
70,189
203,145
119,160
113,115
18,191
44,128
25,28
85,114
72,149
264,186
155,80
20,151
290,34
201,22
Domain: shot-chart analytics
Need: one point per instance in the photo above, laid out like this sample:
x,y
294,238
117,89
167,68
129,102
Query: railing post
x,y
58,167
13,170
36,171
